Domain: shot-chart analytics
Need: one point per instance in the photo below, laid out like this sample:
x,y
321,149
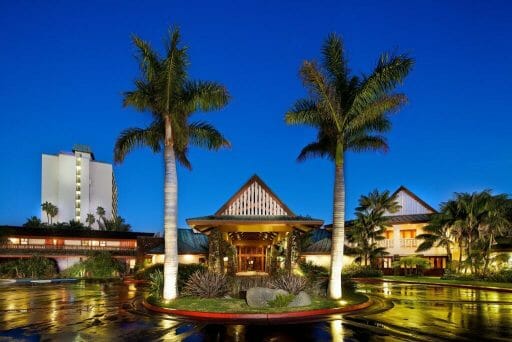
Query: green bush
x,y
501,276
281,301
97,265
146,272
184,272
360,271
35,267
317,276
156,284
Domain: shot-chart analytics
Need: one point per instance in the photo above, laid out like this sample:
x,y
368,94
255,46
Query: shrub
x,y
206,284
317,276
288,282
34,267
184,272
281,301
97,265
502,276
156,285
146,272
360,271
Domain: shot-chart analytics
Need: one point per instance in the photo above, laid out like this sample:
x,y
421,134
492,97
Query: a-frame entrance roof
x,y
254,208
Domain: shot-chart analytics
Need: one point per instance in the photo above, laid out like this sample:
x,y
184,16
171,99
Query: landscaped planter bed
x,y
231,309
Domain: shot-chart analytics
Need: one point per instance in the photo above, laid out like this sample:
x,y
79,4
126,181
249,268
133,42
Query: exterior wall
x,y
59,186
409,205
403,246
49,181
66,184
100,188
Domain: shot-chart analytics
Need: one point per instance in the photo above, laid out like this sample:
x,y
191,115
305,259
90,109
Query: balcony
x,y
386,243
408,243
63,249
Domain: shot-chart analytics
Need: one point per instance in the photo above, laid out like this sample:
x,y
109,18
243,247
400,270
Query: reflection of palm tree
x,y
350,114
165,91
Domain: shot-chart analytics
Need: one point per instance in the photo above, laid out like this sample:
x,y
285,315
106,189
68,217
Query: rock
x,y
301,299
258,297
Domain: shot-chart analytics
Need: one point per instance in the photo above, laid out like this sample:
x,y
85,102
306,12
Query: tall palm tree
x,y
46,207
164,90
350,113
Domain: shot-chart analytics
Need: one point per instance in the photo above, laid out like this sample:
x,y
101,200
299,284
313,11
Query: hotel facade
x,y
77,184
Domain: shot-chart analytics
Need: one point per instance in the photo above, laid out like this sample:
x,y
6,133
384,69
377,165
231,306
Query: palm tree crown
x,y
350,112
164,90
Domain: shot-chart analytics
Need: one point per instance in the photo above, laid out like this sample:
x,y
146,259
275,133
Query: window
x,y
103,243
408,234
85,242
23,241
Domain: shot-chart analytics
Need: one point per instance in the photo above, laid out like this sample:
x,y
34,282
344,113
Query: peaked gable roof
x,y
410,203
254,198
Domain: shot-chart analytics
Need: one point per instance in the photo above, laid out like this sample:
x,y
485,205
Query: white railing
x,y
387,243
407,243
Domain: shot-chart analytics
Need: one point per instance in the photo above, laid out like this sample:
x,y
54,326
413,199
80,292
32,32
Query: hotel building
x,y
77,184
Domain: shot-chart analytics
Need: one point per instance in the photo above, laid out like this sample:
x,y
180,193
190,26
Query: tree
x,y
370,224
350,113
51,211
100,211
165,91
90,220
33,222
439,232
117,224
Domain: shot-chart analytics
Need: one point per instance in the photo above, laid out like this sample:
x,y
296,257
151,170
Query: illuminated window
x,y
408,234
23,241
85,242
103,243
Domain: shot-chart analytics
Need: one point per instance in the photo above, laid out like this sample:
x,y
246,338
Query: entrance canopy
x,y
254,209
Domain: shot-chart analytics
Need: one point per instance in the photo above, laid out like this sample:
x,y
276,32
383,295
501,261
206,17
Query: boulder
x,y
301,299
258,297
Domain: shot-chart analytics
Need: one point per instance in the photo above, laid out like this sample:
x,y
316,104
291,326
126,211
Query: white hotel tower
x,y
77,185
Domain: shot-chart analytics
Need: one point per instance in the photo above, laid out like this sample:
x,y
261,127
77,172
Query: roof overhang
x,y
251,224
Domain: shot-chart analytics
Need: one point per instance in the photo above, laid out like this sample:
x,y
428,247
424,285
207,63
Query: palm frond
x,y
204,96
316,149
321,91
368,143
132,138
389,72
334,59
304,112
374,113
149,61
205,135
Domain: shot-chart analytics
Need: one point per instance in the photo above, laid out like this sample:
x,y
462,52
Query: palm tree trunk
x,y
170,216
338,232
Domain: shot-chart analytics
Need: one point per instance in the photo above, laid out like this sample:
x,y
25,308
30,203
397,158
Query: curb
x,y
464,286
258,317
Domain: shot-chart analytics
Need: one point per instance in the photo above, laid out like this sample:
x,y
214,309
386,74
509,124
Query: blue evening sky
x,y
66,63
